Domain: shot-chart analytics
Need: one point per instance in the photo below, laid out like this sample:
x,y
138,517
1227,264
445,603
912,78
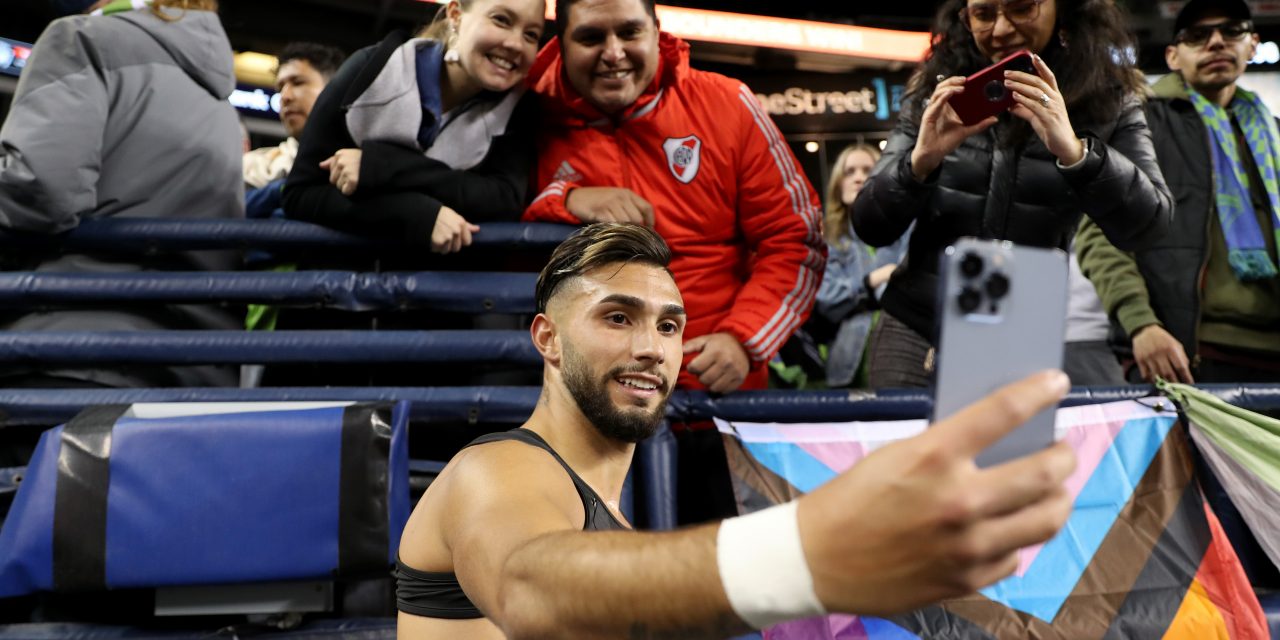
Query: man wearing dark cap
x,y
1203,304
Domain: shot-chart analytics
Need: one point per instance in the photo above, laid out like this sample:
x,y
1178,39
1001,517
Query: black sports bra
x,y
437,594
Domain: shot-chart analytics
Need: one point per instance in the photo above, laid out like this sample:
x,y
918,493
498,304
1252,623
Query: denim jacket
x,y
845,300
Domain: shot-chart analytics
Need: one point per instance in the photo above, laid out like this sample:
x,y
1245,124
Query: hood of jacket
x,y
1171,87
197,43
563,103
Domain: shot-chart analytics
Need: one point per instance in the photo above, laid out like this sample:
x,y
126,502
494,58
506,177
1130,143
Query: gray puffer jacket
x,y
124,115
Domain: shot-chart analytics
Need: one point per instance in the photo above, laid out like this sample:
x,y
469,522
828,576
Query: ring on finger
x,y
1044,99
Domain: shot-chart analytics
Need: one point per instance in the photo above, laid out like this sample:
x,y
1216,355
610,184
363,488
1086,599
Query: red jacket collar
x,y
562,102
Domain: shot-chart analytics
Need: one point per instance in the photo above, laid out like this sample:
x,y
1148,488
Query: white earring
x,y
451,54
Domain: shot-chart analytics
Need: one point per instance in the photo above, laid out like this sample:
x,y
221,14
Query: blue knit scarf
x,y
1246,247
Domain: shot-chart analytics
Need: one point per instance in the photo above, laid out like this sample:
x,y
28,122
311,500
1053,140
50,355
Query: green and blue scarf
x,y
1246,247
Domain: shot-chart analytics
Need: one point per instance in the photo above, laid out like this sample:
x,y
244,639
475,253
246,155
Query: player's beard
x,y
595,402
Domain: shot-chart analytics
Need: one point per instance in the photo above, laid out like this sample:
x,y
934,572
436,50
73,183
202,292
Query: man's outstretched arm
x,y
913,523
633,585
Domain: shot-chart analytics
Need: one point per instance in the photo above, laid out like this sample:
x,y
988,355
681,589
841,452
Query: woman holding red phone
x,y
1075,142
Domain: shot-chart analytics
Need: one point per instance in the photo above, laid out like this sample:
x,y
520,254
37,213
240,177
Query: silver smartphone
x,y
1003,310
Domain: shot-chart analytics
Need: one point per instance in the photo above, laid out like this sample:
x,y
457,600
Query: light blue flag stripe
x,y
1059,565
802,470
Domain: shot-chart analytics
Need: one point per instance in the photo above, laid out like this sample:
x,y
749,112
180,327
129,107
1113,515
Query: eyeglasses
x,y
1198,35
981,18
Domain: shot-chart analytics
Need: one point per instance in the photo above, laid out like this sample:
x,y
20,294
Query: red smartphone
x,y
984,92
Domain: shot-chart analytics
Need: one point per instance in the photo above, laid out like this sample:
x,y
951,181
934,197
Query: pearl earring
x,y
451,54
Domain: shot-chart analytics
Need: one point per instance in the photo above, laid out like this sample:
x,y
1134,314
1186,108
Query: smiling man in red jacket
x,y
633,134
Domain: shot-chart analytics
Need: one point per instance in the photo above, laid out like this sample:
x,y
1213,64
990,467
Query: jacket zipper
x,y
1204,258
626,163
622,155
1200,282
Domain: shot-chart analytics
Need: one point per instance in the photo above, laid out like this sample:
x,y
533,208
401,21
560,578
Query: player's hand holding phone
x,y
1002,310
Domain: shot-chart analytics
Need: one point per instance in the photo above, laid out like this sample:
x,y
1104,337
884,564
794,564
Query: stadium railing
x,y
467,292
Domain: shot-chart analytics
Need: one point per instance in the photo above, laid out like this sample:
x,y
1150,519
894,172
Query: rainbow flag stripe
x,y
1142,555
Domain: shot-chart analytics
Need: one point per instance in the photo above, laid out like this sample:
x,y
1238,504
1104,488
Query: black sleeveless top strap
x,y
437,594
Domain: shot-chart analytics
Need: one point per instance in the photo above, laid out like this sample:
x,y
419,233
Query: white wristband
x,y
762,567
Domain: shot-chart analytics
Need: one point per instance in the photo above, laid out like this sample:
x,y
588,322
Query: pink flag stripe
x,y
868,433
1090,429
836,455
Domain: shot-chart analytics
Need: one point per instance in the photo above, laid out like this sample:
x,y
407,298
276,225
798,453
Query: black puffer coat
x,y
1017,193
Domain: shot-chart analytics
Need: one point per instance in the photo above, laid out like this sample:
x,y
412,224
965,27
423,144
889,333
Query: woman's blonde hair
x,y
158,7
439,28
836,221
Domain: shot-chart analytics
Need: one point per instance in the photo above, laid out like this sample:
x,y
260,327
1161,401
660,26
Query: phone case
x,y
1003,310
984,92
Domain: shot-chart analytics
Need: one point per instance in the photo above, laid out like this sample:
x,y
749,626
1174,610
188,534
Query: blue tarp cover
x,y
230,493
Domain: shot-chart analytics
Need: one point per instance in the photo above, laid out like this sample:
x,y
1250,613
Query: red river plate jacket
x,y
743,223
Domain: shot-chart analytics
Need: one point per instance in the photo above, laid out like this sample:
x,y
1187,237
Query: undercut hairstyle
x,y
1091,53
598,245
322,57
562,13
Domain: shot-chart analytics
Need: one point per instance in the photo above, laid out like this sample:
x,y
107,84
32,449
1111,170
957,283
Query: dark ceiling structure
x,y
266,25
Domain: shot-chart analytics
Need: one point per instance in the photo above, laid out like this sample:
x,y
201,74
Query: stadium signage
x,y
256,101
13,56
793,35
828,103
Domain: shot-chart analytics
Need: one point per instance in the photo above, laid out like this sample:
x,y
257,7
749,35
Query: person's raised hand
x,y
721,364
452,232
1038,100
1159,354
941,130
917,521
609,204
344,170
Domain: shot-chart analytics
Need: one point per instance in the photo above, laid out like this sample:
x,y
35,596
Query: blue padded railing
x,y
271,347
655,458
458,291
499,405
145,235
512,405
466,292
